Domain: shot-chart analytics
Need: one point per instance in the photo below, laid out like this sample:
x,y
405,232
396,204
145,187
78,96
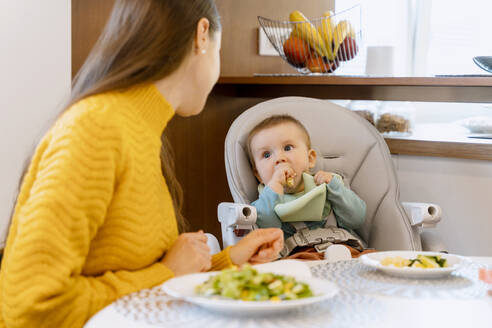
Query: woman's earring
x,y
204,51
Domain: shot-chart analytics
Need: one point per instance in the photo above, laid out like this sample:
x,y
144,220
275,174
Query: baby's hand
x,y
280,176
322,177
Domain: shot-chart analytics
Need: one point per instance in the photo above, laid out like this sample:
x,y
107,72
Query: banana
x,y
326,30
307,32
342,30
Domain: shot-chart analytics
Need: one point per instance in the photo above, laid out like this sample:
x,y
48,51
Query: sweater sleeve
x,y
349,209
62,203
222,260
265,204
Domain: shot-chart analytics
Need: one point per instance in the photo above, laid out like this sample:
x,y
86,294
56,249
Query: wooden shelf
x,y
438,148
441,140
430,89
362,80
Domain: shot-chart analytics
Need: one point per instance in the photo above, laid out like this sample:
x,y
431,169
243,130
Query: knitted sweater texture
x,y
94,214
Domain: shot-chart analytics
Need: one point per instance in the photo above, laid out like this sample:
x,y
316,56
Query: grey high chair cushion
x,y
346,144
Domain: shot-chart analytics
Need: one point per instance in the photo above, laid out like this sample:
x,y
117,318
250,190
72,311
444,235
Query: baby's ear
x,y
312,158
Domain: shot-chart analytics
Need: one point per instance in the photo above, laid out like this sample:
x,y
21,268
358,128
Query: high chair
x,y
346,144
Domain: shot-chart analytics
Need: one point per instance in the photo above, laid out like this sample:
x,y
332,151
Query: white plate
x,y
373,260
478,124
184,288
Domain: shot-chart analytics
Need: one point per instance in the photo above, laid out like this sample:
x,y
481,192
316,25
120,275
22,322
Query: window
x,y
430,37
457,31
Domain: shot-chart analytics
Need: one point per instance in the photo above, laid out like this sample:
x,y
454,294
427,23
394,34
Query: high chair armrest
x,y
236,220
423,215
240,216
213,243
431,242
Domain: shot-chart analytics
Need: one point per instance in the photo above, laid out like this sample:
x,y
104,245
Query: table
x,y
350,308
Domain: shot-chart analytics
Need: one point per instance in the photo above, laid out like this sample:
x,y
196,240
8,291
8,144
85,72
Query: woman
x,y
98,211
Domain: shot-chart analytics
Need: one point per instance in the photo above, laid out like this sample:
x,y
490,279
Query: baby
x,y
311,210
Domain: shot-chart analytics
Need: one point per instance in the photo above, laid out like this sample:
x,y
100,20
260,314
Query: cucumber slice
x,y
428,261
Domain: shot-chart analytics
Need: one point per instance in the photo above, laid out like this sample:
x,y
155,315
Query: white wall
x,y
463,188
35,66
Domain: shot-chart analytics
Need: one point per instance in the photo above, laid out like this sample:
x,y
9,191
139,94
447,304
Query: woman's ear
x,y
312,158
202,37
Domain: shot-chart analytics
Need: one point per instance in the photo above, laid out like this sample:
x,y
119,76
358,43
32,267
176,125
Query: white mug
x,y
380,60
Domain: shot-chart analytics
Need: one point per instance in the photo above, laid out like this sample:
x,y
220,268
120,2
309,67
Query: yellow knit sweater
x,y
94,214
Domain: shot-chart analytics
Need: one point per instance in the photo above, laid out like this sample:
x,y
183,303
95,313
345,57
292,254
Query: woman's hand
x,y
189,254
259,246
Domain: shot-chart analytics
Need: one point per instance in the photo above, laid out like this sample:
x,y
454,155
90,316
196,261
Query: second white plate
x,y
374,260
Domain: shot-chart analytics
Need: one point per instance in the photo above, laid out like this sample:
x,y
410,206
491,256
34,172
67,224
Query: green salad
x,y
247,284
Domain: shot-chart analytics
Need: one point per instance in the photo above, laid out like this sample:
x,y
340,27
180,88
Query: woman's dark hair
x,y
143,42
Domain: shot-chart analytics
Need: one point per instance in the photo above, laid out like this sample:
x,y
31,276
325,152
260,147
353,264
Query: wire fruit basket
x,y
318,45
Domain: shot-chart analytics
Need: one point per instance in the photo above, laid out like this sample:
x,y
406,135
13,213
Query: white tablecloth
x,y
152,308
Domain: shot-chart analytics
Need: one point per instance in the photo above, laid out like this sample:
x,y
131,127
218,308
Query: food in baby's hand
x,y
247,284
422,261
290,182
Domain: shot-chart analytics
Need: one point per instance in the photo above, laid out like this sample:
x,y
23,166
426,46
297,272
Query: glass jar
x,y
396,118
367,109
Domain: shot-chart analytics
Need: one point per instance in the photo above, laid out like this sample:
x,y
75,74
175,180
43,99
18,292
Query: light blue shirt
x,y
348,208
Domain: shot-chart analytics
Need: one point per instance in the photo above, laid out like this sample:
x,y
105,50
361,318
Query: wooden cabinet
x,y
88,20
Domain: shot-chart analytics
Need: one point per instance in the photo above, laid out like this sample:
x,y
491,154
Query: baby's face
x,y
282,143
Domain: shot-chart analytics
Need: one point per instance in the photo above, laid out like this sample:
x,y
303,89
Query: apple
x,y
319,65
297,51
348,49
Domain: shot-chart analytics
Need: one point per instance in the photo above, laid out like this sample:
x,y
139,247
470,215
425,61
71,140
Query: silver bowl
x,y
484,62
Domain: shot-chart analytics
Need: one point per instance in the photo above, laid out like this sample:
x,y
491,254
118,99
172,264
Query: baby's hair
x,y
271,122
